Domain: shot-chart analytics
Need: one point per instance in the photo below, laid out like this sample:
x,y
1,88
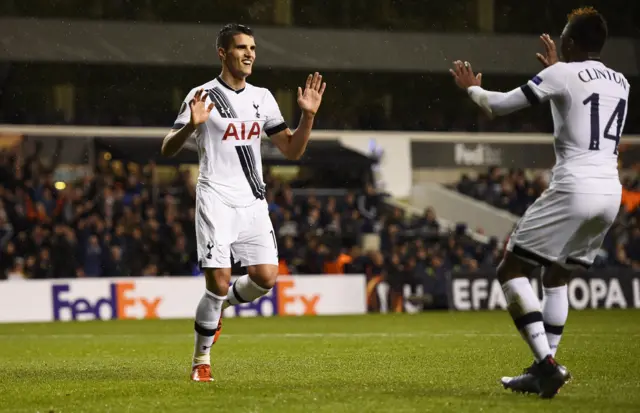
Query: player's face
x,y
241,55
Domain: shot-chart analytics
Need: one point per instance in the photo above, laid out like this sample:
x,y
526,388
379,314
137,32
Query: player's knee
x,y
557,275
264,275
218,280
512,267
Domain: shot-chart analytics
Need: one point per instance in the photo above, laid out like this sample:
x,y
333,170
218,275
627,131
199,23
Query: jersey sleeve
x,y
274,122
184,114
549,83
498,103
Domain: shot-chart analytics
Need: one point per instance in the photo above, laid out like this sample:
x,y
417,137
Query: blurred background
x,y
404,180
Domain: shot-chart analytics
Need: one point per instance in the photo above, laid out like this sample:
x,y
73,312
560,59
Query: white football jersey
x,y
589,104
228,143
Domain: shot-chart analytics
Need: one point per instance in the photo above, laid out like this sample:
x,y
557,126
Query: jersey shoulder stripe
x,y
223,105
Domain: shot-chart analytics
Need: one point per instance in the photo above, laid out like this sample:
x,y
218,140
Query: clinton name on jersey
x,y
589,108
228,142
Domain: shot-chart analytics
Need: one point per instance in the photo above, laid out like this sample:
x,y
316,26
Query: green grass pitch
x,y
431,362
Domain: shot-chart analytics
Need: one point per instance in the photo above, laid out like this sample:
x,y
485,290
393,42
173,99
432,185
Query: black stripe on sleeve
x,y
530,94
276,129
248,173
178,125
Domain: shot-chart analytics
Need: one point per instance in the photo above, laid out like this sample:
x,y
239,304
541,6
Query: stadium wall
x,y
171,297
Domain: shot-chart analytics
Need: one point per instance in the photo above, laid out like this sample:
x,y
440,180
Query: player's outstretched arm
x,y
293,144
176,138
492,103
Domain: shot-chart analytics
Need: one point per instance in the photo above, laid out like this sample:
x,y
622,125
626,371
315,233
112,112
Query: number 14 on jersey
x,y
617,115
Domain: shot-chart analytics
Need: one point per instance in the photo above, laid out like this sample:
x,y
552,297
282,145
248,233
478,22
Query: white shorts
x,y
564,227
222,230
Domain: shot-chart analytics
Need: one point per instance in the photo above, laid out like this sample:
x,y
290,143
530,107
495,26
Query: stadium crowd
x,y
125,221
514,191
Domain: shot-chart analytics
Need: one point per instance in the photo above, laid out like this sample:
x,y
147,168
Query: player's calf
x,y
207,323
555,304
523,303
258,282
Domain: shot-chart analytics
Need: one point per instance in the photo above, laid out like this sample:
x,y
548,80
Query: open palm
x,y
550,56
199,110
309,100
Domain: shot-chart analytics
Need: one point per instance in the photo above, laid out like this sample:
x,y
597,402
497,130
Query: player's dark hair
x,y
588,29
225,36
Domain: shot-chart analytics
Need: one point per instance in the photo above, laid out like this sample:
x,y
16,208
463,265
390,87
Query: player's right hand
x,y
550,56
200,112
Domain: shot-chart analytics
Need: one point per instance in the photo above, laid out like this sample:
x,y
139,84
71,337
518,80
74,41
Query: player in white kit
x,y
224,120
566,226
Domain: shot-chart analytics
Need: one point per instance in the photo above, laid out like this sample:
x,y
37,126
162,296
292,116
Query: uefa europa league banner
x,y
606,289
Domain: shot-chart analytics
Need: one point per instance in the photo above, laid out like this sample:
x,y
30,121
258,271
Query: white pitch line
x,y
260,335
294,335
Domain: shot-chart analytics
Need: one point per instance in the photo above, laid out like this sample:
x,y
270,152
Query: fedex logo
x,y
121,303
283,299
242,131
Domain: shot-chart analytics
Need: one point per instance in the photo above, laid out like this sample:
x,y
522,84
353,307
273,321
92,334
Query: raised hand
x,y
463,75
309,100
199,112
550,56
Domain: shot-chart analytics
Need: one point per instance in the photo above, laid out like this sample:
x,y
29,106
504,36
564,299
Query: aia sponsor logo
x,y
242,131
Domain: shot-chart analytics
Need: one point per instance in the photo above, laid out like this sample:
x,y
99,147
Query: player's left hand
x,y
309,100
463,75
550,56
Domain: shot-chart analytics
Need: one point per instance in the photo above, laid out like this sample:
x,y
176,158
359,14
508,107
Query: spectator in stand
x,y
8,256
368,206
358,263
93,265
510,191
632,248
427,225
179,260
115,265
43,265
16,272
